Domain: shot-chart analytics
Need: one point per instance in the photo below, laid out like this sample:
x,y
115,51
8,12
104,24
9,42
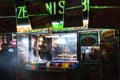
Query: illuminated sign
x,y
85,4
22,12
52,7
53,11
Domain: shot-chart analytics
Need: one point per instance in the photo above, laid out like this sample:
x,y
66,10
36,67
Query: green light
x,y
103,7
61,4
52,7
57,25
25,12
73,7
54,3
39,15
49,7
19,12
85,4
88,5
22,12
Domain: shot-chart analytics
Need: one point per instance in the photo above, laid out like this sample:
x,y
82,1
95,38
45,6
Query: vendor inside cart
x,y
40,49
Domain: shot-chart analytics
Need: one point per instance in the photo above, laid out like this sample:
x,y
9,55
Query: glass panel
x,y
53,52
22,50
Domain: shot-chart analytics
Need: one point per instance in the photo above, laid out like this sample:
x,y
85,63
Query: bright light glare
x,y
60,41
56,23
25,41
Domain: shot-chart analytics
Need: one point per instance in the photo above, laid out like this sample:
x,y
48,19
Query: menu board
x,y
89,38
104,18
105,2
107,34
109,44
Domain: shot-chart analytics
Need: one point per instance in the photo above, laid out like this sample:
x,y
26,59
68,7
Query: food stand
x,y
48,53
59,40
67,53
92,50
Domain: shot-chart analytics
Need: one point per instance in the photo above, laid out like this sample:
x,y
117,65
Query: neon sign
x,y
22,12
53,11
52,8
85,4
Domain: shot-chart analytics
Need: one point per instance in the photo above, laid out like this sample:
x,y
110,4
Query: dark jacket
x,y
7,65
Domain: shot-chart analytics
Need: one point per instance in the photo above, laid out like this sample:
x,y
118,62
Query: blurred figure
x,y
7,63
41,49
4,47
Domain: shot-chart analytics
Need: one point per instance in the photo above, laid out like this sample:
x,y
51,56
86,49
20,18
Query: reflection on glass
x,y
90,53
48,50
54,47
64,46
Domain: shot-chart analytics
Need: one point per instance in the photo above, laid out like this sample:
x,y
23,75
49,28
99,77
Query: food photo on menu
x,y
89,38
109,43
107,33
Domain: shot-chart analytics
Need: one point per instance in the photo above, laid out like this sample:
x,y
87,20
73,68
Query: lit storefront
x,y
61,39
